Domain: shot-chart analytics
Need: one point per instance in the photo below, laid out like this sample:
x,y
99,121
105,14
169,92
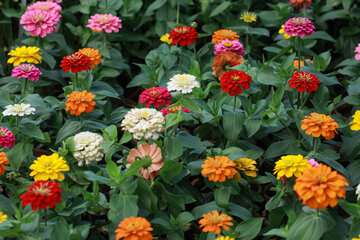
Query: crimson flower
x,y
156,95
173,109
183,35
233,81
76,62
304,81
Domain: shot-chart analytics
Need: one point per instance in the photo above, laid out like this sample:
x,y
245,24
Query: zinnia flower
x,y
320,187
304,81
183,83
356,238
39,22
151,153
281,31
28,71
213,222
7,138
313,163
224,238
156,95
296,63
224,34
104,22
357,50
79,102
134,229
183,36
92,54
42,194
358,192
300,3
88,147
3,161
76,62
224,59
165,38
3,217
232,82
47,6
218,169
299,27
172,109
49,167
355,123
248,17
24,54
231,46
18,110
247,166
291,165
319,124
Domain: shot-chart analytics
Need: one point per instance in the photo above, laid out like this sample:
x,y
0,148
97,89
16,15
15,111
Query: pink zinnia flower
x,y
299,27
26,71
300,3
39,22
357,50
156,95
45,6
58,1
7,138
106,22
313,163
150,152
169,109
231,46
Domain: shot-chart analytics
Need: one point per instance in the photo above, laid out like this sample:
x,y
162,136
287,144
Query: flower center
x,y
74,57
321,178
3,133
184,80
41,190
174,109
48,164
228,44
300,21
181,30
235,78
38,16
144,114
304,77
78,98
44,7
154,93
26,67
133,226
216,219
18,108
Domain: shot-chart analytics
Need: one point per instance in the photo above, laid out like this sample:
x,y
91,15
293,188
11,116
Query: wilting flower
x,y
319,124
79,102
144,122
3,217
42,194
233,81
313,162
183,83
248,17
18,110
49,167
24,54
247,166
40,22
291,165
152,153
218,169
28,71
213,222
304,81
7,138
76,62
183,36
172,109
299,27
134,229
300,3
92,54
296,63
358,192
320,187
357,50
165,38
156,95
224,34
224,59
104,22
87,147
231,46
224,238
355,123
3,161
281,31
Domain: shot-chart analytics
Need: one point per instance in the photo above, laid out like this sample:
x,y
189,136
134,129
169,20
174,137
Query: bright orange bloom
x,y
320,187
224,34
79,102
92,54
134,229
3,161
319,124
218,169
296,63
223,59
212,222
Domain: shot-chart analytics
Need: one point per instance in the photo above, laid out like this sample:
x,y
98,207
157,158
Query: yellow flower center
x,y
184,80
228,44
235,78
103,19
174,109
44,7
144,114
3,133
181,30
133,226
304,77
154,93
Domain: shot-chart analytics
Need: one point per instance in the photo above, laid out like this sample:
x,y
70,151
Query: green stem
x,y
305,100
178,12
234,104
290,99
315,146
287,128
38,225
180,59
317,212
77,81
24,86
45,216
298,100
304,8
38,42
106,6
299,51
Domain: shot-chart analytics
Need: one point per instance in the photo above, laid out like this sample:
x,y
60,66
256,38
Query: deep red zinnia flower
x,y
76,62
42,194
183,35
304,81
232,82
173,109
156,95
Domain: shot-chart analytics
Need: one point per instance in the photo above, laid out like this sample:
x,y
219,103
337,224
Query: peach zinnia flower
x,y
218,169
223,59
319,124
3,161
320,187
92,54
79,102
134,229
213,222
224,34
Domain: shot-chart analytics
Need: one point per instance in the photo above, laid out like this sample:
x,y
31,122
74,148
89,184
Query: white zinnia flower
x,y
18,110
358,192
88,147
144,122
183,83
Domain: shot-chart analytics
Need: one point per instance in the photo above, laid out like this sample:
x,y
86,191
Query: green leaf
x,y
70,144
153,6
205,208
122,206
173,147
268,77
112,170
170,169
89,175
220,9
249,228
112,133
278,148
353,169
222,196
319,63
18,153
135,168
351,208
68,129
32,130
239,211
102,88
125,138
172,119
233,123
184,218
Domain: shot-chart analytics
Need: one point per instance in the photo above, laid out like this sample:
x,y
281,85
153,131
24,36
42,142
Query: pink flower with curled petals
x,y
313,163
299,27
104,22
7,138
231,46
28,71
39,22
47,6
156,95
357,50
173,109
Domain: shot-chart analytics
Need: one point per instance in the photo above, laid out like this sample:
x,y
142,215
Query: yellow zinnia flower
x,y
49,167
281,31
225,238
355,124
3,217
248,17
24,54
247,166
356,238
291,165
165,38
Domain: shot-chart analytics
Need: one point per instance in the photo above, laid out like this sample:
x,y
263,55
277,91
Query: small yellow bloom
x,y
3,217
247,166
356,238
355,123
165,38
291,165
24,54
248,17
49,167
281,31
225,238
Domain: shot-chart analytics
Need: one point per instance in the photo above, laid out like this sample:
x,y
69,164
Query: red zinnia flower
x,y
183,35
76,62
156,95
42,194
304,81
172,109
232,82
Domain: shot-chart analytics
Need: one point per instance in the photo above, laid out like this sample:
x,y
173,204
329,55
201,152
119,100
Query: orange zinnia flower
x,y
212,222
218,169
79,102
320,187
224,34
319,124
92,54
223,59
3,161
134,229
296,63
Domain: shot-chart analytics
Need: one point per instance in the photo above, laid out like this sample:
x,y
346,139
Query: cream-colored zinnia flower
x,y
88,147
183,83
18,110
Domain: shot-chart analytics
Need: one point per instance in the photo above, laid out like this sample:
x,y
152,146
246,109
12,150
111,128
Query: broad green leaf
x,y
220,9
248,229
268,77
31,130
173,147
172,119
222,196
233,123
18,153
68,129
122,206
135,167
351,208
112,170
170,169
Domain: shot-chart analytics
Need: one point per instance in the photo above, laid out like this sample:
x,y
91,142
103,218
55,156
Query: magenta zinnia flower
x,y
170,109
357,50
39,22
47,6
299,27
7,138
313,163
106,22
26,71
231,46
156,95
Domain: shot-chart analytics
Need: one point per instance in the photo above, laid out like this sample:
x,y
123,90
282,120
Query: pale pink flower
x,y
39,22
7,138
151,152
28,71
313,163
104,22
357,50
299,27
231,46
